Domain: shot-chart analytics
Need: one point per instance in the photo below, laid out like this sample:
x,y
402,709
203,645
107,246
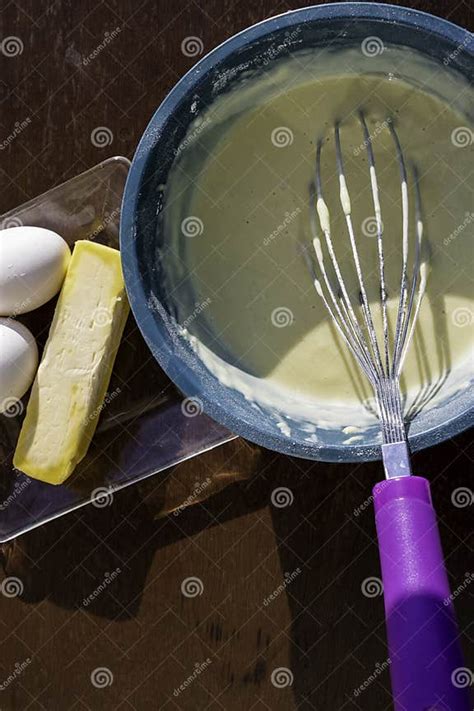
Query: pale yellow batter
x,y
237,213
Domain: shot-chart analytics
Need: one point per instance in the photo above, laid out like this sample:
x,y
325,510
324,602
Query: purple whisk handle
x,y
426,665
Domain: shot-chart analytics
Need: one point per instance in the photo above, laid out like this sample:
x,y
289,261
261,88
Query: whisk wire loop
x,y
381,362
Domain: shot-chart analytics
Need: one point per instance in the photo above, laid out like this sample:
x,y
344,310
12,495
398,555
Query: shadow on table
x,y
329,558
326,543
98,557
323,522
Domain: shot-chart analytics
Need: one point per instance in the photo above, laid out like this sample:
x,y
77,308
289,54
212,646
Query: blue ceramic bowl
x,y
339,24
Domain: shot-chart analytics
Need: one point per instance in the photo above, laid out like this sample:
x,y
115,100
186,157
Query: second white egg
x,y
18,364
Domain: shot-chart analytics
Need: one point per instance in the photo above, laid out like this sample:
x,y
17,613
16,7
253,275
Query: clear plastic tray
x,y
144,427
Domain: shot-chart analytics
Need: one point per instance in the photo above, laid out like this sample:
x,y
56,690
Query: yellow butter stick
x,y
76,366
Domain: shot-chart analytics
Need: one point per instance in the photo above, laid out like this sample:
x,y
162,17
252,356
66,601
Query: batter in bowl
x,y
237,217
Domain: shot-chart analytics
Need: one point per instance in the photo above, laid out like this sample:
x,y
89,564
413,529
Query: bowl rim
x,y
174,368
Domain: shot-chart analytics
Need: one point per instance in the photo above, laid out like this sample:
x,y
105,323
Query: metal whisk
x,y
381,362
423,638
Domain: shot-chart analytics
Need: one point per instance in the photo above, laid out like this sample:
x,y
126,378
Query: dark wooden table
x,y
279,587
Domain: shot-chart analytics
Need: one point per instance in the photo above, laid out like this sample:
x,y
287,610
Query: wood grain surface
x,y
108,617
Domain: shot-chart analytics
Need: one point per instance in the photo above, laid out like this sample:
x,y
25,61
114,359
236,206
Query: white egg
x,y
33,263
18,363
